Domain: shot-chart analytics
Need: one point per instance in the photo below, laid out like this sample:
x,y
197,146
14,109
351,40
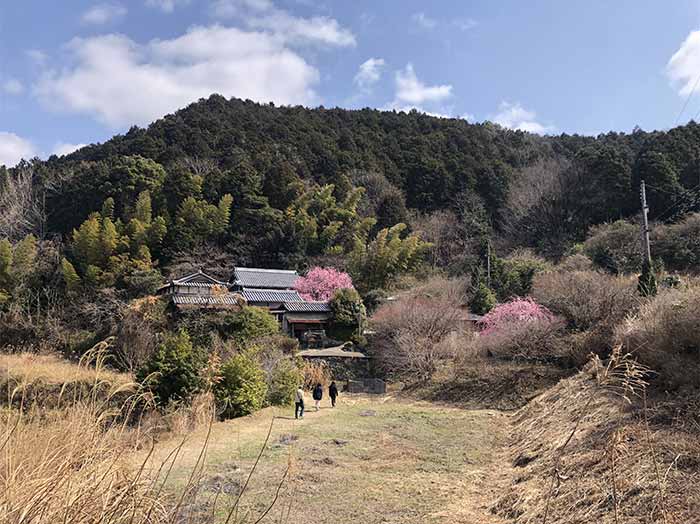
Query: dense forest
x,y
378,194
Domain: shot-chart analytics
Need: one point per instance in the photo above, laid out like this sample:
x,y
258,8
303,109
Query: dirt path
x,y
370,460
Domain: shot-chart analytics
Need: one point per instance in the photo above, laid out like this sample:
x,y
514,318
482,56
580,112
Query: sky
x,y
75,72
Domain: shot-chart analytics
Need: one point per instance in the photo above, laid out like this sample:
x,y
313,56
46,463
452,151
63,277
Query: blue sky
x,y
79,71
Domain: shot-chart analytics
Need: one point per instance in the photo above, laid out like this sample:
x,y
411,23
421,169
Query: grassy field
x,y
368,460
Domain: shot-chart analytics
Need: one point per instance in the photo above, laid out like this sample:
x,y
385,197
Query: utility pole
x,y
646,249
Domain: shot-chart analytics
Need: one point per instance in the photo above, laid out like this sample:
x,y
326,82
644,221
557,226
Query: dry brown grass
x,y
71,459
665,336
51,369
584,452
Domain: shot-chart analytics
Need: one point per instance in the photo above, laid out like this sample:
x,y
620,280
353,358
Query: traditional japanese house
x,y
200,290
272,289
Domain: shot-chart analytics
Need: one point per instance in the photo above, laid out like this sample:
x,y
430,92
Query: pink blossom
x,y
321,283
517,311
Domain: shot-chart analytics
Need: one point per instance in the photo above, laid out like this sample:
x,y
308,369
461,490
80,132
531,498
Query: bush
x,y
137,333
173,372
678,245
665,336
483,300
316,372
517,312
646,284
373,299
585,298
513,276
283,382
347,309
592,304
242,389
615,247
410,335
539,339
249,324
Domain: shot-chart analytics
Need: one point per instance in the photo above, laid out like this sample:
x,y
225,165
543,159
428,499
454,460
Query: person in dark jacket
x,y
299,403
333,393
317,396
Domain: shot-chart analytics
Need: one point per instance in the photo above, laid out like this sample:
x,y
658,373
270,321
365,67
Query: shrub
x,y
513,276
537,339
585,298
249,324
373,299
519,311
316,373
678,245
665,336
592,303
410,334
137,333
242,389
575,262
321,283
173,372
347,310
483,300
283,382
646,285
615,247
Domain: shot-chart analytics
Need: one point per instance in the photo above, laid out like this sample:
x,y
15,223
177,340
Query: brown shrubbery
x,y
665,336
412,332
591,303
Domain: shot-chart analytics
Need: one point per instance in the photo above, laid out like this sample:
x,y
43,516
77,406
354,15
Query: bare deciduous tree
x,y
412,332
22,208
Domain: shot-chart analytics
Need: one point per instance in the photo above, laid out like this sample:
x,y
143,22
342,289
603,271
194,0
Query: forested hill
x,y
543,192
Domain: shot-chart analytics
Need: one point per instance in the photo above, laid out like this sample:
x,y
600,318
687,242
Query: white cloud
x,y
684,66
410,90
105,13
369,73
231,8
515,116
465,24
167,6
424,21
13,86
149,80
263,15
14,148
37,56
62,148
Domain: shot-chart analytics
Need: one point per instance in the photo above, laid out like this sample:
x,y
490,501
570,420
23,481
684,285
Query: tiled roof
x,y
198,279
271,295
264,278
307,307
230,299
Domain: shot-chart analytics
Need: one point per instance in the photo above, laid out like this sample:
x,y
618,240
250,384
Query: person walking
x,y
299,403
333,393
318,395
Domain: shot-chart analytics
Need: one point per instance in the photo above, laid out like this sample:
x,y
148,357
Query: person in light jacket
x,y
317,396
333,393
299,403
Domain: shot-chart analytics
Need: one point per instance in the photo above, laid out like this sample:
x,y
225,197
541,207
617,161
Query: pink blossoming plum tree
x,y
515,312
321,283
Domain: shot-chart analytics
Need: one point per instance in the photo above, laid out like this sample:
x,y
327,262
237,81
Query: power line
x,y
690,95
679,198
